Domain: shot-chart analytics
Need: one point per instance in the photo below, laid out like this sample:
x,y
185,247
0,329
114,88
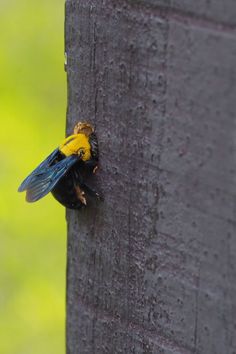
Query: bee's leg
x,y
77,183
78,179
93,164
80,194
91,191
95,169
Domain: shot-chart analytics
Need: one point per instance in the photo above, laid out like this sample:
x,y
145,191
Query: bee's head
x,y
84,128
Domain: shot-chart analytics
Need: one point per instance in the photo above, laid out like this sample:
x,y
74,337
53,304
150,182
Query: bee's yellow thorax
x,y
74,144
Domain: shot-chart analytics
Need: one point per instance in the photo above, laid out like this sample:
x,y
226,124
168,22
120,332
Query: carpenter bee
x,y
65,171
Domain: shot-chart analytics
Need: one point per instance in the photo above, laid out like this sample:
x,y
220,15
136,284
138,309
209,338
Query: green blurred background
x,y
32,236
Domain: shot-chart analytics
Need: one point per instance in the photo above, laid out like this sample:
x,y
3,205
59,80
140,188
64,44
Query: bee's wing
x,y
45,164
45,180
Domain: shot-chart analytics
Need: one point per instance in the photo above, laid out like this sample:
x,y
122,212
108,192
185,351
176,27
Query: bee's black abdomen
x,y
65,193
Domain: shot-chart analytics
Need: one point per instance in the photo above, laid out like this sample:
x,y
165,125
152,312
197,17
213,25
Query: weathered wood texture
x,y
152,269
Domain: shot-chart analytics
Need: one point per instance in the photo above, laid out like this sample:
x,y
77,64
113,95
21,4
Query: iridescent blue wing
x,y
45,164
44,181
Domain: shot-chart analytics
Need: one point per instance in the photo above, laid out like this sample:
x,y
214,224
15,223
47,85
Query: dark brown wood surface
x,y
152,269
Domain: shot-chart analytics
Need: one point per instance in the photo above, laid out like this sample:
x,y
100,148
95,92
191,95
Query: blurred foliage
x,y
32,236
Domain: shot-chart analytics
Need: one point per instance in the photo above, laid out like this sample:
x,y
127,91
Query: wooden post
x,y
152,269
